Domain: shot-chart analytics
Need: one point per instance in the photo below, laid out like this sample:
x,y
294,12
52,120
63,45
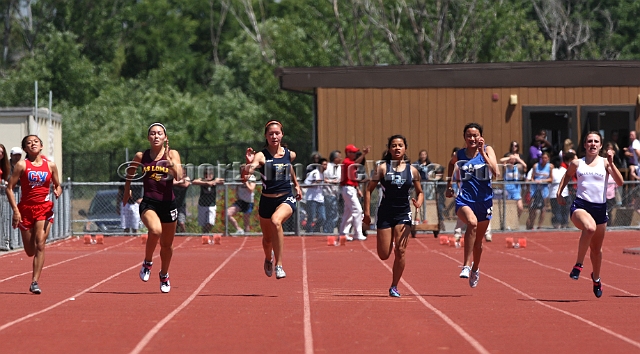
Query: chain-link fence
x,y
61,228
94,208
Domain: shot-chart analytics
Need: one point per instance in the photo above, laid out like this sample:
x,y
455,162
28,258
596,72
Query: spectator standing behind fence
x,y
515,168
315,160
559,213
158,208
180,188
538,146
315,197
243,204
207,199
541,175
277,203
476,165
397,177
332,193
34,214
129,212
633,151
5,173
352,215
421,164
589,209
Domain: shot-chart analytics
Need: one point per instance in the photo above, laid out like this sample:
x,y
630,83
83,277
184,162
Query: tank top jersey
x,y
475,178
275,173
538,174
35,182
591,181
395,190
157,182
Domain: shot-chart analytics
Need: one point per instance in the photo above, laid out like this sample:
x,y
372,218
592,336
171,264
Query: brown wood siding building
x,y
430,104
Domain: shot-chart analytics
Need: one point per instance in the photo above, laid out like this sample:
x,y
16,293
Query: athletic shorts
x,y
513,191
31,213
482,210
206,215
597,211
130,216
244,207
182,214
269,205
166,211
386,219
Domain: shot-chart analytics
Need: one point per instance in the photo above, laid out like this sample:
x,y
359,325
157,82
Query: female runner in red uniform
x,y
158,209
277,202
34,214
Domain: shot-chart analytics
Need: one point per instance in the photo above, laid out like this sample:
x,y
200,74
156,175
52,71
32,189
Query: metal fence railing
x,y
91,208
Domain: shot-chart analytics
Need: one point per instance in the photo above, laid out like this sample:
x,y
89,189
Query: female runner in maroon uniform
x,y
34,214
158,209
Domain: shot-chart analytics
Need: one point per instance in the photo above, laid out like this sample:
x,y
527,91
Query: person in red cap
x,y
352,215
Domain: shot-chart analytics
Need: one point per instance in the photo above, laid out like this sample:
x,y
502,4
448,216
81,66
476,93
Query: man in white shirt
x,y
331,194
315,198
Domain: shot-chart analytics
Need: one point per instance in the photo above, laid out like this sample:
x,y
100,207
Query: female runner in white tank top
x,y
589,210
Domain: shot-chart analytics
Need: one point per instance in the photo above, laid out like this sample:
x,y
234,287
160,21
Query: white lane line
x,y
474,343
540,245
579,318
308,334
69,260
565,272
149,336
9,324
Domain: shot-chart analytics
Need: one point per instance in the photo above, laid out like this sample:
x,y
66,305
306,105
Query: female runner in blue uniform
x,y
158,209
589,209
393,221
476,164
277,203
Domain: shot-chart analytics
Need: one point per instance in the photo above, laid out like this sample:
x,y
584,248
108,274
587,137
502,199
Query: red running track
x,y
334,299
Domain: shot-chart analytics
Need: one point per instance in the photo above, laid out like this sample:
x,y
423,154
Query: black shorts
x,y
167,211
269,205
244,206
387,219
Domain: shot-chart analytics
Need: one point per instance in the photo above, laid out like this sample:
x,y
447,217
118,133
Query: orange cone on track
x,y
509,242
205,240
331,240
522,242
100,239
444,240
87,239
217,239
343,240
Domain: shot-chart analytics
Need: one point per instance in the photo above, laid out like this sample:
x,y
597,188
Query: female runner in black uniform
x,y
277,203
394,214
158,209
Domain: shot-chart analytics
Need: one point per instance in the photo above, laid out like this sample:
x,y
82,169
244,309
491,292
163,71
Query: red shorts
x,y
32,213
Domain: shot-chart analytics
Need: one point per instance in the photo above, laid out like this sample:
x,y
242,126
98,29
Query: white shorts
x,y
206,215
130,216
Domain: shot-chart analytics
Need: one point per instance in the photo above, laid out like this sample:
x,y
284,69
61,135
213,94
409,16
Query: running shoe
x,y
465,272
597,287
349,238
280,272
165,285
488,237
473,279
145,270
34,288
575,272
268,267
360,238
393,292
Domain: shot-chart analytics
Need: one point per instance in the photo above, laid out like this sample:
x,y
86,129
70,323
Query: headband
x,y
158,124
273,122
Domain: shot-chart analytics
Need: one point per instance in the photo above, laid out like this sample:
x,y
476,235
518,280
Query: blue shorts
x,y
244,207
387,219
513,191
269,205
597,211
482,210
